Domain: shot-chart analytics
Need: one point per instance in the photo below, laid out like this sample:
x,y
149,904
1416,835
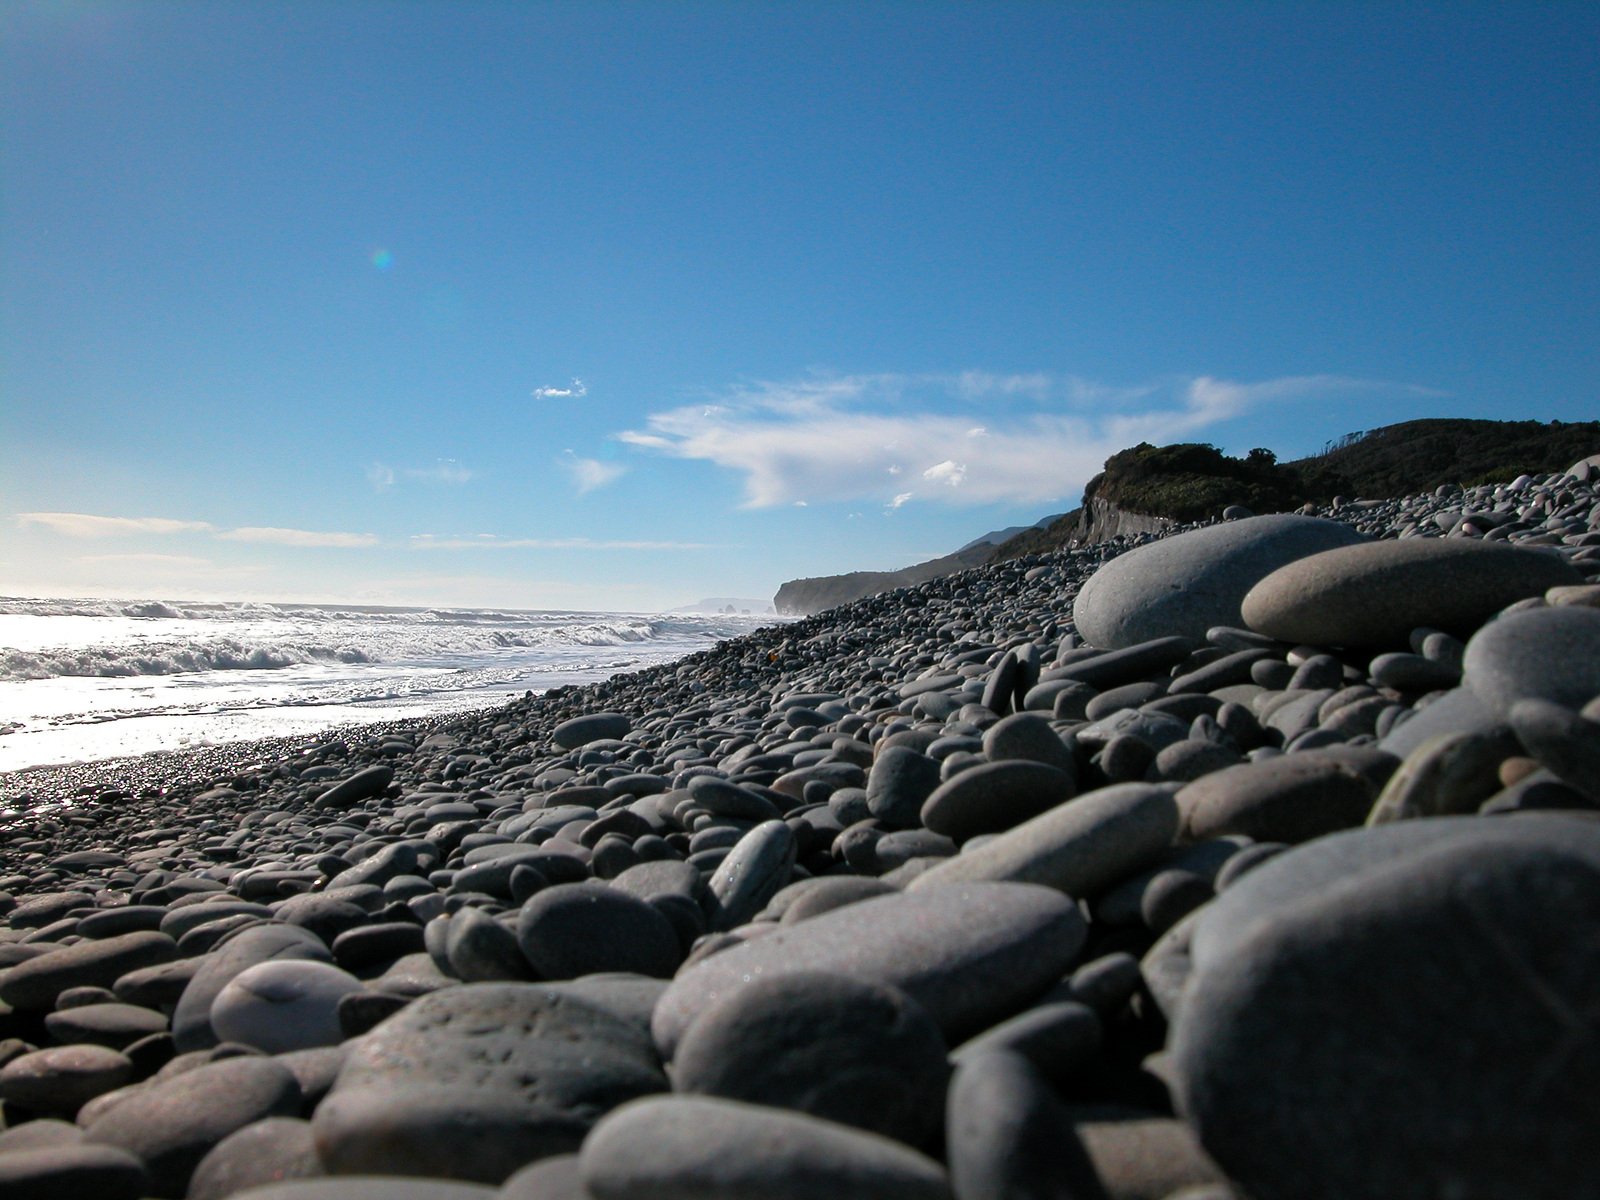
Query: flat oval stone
x,y
577,732
1060,1038
129,918
664,877
269,1151
1358,1000
36,983
1252,900
61,1079
113,1024
1376,594
363,785
1541,654
1565,742
39,1133
67,1172
1111,668
824,893
576,929
553,1178
731,800
180,921
368,1187
1292,798
1028,736
863,1054
970,954
1183,585
993,797
172,1124
191,1021
281,1006
35,912
690,1148
1080,847
478,1080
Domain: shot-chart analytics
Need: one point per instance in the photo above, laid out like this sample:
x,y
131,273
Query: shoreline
x,y
140,774
1095,831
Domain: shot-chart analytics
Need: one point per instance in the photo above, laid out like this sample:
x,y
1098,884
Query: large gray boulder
x,y
1183,585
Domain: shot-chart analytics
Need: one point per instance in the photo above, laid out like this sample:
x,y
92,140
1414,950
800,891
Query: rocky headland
x,y
1153,489
1256,860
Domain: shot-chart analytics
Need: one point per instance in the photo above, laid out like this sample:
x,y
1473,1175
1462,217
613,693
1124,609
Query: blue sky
x,y
624,305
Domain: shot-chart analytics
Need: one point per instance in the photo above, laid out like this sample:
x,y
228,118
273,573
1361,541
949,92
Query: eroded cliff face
x,y
802,597
1101,520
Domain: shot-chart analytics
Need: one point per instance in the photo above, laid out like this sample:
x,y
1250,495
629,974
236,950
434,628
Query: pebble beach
x,y
1256,861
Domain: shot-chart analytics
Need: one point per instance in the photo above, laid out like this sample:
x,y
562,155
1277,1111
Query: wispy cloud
x,y
575,391
88,525
144,560
488,541
297,537
591,473
446,471
865,436
85,525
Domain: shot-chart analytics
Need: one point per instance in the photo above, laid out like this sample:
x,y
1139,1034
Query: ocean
x,y
85,680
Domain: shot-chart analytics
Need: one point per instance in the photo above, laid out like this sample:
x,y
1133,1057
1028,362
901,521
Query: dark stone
x,y
970,954
863,1054
514,1072
694,1146
269,1151
576,929
1441,984
36,983
995,796
172,1124
71,1172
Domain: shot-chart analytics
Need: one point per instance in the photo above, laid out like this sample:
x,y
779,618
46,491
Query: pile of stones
x,y
1258,860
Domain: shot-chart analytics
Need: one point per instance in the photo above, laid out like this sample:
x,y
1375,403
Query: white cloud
x,y
576,391
487,541
380,476
850,437
591,473
296,537
84,525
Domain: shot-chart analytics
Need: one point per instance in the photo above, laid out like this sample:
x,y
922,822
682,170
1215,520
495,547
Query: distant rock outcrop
x,y
802,597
